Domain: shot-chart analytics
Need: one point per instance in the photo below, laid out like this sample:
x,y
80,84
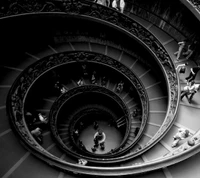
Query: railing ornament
x,y
89,10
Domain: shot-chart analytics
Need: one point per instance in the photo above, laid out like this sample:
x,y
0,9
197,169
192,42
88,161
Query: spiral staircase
x,y
46,41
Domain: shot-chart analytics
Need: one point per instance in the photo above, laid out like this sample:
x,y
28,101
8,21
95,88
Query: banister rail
x,y
85,9
193,6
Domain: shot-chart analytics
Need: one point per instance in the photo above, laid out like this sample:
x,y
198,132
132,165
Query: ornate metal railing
x,y
96,12
77,91
196,4
194,7
97,109
32,73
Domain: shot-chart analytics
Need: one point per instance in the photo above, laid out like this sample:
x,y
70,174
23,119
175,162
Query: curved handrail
x,y
68,57
95,108
143,37
194,6
76,91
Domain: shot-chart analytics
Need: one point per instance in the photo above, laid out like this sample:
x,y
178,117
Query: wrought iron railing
x,y
85,89
196,4
85,9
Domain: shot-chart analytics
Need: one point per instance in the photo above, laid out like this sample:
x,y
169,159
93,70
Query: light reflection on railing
x,y
195,4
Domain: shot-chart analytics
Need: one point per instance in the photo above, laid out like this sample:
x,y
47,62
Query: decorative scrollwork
x,y
73,7
32,73
87,9
82,7
58,104
24,6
